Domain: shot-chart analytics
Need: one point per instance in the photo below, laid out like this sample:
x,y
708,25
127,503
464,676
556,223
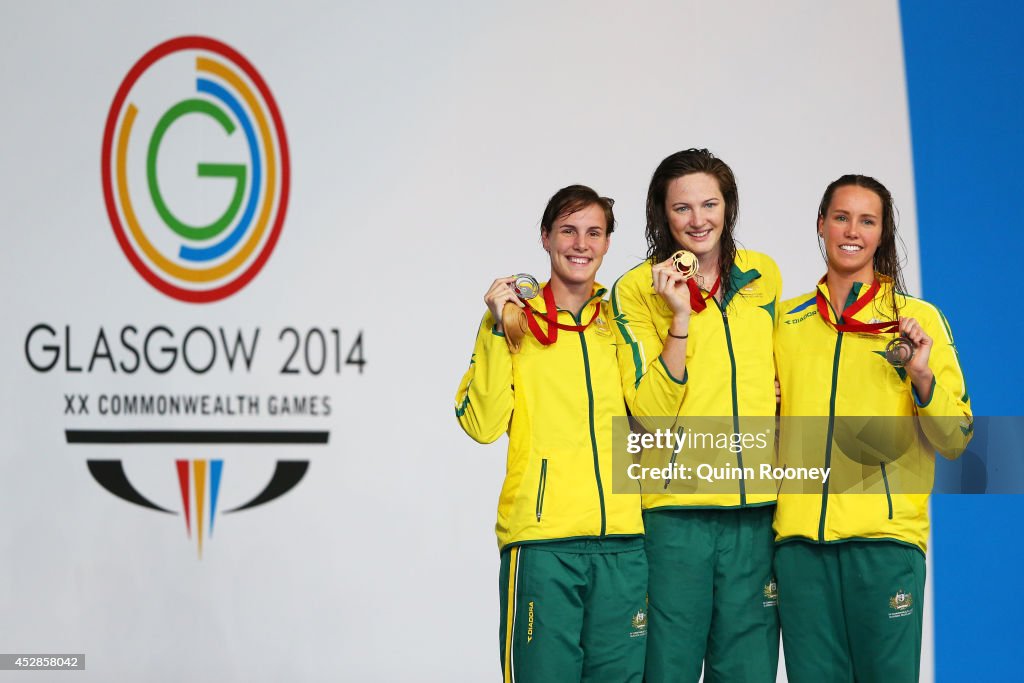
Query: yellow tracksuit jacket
x,y
730,372
836,375
556,403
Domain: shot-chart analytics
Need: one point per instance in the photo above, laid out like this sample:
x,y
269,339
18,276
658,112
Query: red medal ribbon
x,y
554,326
697,299
849,324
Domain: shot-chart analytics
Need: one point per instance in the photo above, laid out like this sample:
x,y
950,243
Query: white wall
x,y
425,140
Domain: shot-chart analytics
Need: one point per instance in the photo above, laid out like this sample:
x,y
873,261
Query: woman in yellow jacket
x,y
873,410
692,355
573,572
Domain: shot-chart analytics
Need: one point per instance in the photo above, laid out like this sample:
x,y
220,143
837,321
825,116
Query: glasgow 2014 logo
x,y
195,175
195,244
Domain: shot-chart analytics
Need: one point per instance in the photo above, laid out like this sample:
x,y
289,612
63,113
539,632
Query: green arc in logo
x,y
205,170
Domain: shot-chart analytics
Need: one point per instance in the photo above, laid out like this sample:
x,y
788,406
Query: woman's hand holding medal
x,y
673,282
499,294
505,299
670,284
917,364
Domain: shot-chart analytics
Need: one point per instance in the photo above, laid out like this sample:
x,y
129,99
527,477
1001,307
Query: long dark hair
x,y
660,242
887,260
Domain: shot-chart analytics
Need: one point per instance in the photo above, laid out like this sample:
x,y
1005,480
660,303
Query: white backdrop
x,y
425,140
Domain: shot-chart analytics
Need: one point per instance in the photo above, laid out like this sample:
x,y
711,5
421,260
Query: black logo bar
x,y
128,436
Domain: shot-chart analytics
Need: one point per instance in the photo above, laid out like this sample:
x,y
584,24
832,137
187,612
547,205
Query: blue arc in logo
x,y
188,253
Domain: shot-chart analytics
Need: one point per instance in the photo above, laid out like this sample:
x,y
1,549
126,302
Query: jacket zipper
x,y
828,437
735,398
593,435
851,297
888,495
542,486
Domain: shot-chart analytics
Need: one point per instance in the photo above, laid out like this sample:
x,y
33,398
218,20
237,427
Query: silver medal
x,y
526,286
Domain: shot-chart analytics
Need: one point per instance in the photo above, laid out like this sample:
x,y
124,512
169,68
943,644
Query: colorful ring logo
x,y
189,253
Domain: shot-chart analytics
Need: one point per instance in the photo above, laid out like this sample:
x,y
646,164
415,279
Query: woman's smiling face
x,y
577,243
696,213
852,230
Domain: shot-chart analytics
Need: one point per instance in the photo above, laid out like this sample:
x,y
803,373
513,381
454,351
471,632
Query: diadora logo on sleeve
x,y
194,111
802,318
809,304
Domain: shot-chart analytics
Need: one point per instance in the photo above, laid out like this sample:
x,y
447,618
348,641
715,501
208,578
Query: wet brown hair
x,y
887,260
572,199
660,242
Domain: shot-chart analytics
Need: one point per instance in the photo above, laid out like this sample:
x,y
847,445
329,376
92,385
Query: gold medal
x,y
686,263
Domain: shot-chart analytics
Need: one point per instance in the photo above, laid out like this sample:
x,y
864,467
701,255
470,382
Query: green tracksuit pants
x,y
712,596
851,611
574,610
